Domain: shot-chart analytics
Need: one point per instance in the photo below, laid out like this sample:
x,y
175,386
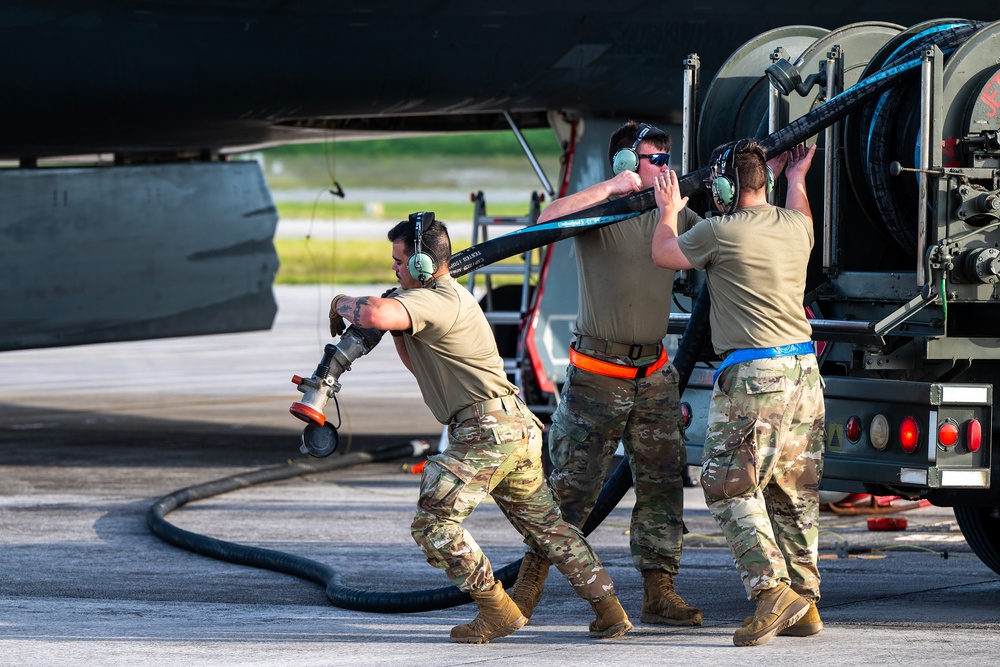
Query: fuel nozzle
x,y
319,437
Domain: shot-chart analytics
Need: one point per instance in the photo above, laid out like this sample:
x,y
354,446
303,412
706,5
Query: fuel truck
x,y
904,279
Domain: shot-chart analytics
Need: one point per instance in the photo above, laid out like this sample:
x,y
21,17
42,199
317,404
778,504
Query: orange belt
x,y
608,369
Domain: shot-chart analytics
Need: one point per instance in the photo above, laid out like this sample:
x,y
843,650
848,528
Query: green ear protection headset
x,y
627,159
422,263
725,178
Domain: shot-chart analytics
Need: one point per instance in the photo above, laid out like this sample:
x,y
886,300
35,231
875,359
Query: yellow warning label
x,y
835,437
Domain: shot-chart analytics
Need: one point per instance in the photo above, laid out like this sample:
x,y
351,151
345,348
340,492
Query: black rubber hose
x,y
467,260
611,212
891,127
279,561
461,263
858,134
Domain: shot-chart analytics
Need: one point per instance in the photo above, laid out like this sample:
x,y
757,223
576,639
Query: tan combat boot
x,y
498,617
611,621
810,624
661,604
777,609
527,589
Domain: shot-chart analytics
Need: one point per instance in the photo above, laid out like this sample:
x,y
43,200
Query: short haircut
x,y
435,238
625,136
750,161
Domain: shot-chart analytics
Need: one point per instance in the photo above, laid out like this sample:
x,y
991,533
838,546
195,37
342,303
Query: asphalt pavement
x,y
92,436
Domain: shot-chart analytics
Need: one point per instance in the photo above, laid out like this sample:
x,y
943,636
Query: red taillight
x,y
909,434
973,435
948,433
853,429
686,414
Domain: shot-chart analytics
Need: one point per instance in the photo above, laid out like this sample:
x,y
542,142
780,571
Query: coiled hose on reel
x,y
887,129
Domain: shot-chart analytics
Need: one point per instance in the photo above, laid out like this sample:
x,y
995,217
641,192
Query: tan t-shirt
x,y
452,349
755,262
624,296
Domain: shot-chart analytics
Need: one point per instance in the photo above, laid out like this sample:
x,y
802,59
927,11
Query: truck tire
x,y
981,528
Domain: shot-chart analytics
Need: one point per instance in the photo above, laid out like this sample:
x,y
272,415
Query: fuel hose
x,y
488,252
567,226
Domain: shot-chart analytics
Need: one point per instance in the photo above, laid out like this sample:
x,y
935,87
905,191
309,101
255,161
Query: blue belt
x,y
749,354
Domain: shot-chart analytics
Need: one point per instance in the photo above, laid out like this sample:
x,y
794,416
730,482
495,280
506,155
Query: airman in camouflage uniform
x,y
762,466
595,413
443,337
498,454
763,455
619,387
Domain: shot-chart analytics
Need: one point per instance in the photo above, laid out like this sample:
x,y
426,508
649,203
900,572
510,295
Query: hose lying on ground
x,y
378,601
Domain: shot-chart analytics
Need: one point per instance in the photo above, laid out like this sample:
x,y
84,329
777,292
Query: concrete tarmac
x,y
92,436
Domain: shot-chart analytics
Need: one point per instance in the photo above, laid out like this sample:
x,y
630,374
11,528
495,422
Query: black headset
x,y
725,177
627,159
422,264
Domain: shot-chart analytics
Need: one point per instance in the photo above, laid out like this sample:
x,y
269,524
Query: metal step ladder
x,y
506,304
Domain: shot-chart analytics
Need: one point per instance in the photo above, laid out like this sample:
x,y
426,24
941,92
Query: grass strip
x,y
352,262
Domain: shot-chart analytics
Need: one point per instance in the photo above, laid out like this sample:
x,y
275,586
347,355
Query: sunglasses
x,y
656,159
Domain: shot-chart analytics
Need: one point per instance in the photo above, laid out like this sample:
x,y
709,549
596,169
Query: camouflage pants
x,y
594,414
762,466
499,454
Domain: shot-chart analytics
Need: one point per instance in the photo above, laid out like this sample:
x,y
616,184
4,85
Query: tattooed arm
x,y
377,313
372,312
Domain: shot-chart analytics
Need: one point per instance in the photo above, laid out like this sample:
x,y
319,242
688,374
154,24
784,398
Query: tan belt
x,y
624,349
508,403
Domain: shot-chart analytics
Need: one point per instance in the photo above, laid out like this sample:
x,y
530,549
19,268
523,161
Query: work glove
x,y
337,324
